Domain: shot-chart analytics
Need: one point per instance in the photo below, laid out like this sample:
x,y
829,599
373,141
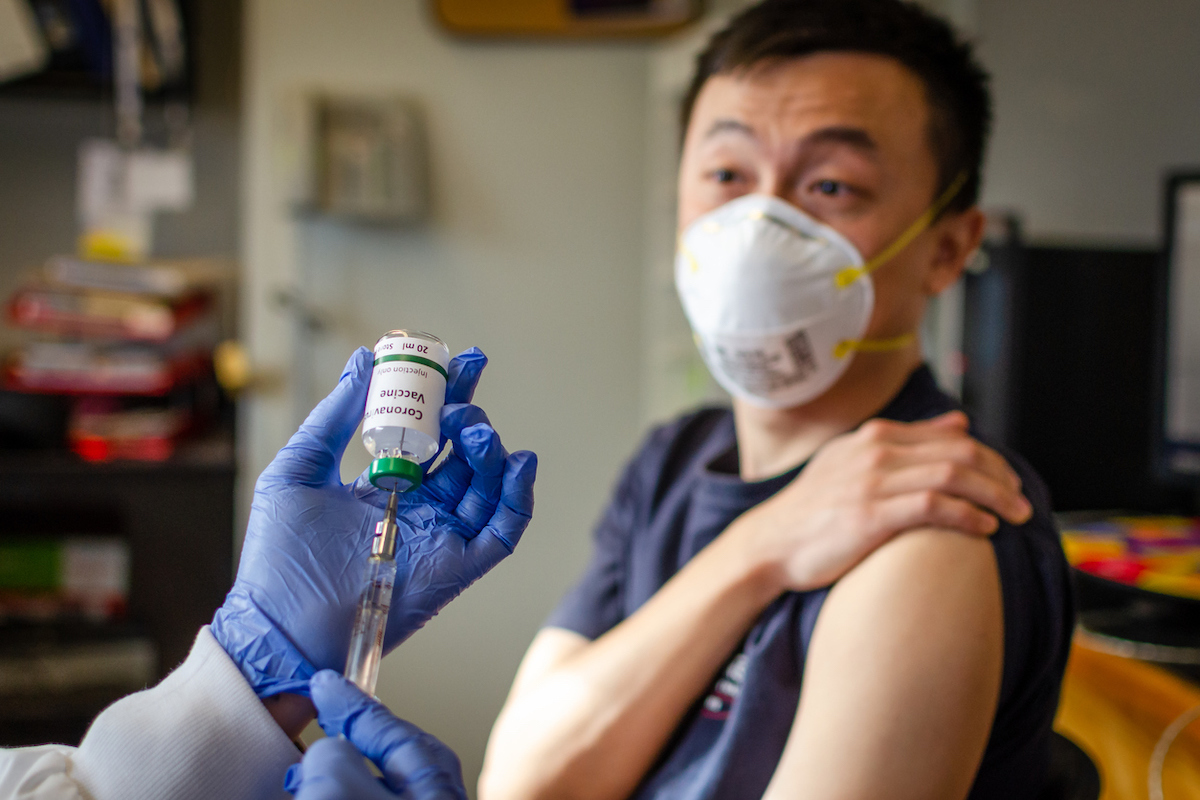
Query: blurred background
x,y
298,177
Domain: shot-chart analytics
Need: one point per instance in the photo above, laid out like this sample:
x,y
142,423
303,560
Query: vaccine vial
x,y
401,425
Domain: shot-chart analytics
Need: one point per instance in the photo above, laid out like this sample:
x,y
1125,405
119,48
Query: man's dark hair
x,y
955,85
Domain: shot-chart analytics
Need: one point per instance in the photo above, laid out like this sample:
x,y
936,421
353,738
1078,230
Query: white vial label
x,y
408,386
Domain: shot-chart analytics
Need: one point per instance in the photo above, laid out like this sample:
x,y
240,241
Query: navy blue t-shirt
x,y
682,490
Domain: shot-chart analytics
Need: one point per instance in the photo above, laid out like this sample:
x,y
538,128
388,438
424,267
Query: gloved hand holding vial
x,y
300,578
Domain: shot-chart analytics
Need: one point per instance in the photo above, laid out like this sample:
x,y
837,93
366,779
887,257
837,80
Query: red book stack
x,y
131,342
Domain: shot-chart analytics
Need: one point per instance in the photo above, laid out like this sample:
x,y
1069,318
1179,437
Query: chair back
x,y
1073,776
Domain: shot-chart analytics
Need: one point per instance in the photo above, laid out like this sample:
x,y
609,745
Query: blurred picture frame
x,y
579,19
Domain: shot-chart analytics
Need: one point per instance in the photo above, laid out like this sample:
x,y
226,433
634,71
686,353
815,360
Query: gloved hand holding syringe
x,y
400,430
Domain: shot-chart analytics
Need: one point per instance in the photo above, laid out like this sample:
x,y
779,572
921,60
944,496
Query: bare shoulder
x,y
926,602
923,565
902,675
928,599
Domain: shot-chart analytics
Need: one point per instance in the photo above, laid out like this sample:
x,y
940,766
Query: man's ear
x,y
959,236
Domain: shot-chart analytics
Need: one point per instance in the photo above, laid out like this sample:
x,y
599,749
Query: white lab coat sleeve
x,y
201,733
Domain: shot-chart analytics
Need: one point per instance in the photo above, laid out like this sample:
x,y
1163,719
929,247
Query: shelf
x,y
213,453
177,517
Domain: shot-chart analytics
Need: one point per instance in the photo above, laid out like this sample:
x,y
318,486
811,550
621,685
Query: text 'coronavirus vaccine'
x,y
401,425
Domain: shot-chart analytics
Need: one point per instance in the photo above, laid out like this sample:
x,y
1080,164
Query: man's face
x,y
843,136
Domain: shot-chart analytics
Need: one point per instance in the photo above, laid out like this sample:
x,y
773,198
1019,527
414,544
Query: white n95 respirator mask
x,y
777,301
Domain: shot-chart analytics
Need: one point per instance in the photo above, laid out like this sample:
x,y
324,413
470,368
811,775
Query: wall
x,y
1094,101
533,253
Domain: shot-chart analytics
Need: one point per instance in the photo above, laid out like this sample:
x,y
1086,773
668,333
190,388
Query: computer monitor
x,y
1179,326
1059,348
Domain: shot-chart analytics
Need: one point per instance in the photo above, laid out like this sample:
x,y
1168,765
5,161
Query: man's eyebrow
x,y
729,126
837,134
857,138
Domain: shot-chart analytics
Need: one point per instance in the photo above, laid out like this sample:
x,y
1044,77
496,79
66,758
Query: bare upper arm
x,y
902,675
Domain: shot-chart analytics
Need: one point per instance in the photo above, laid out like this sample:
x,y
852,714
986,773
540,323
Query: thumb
x,y
332,769
407,756
314,452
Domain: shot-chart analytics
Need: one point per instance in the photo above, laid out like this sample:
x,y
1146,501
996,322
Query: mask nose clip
x,y
847,276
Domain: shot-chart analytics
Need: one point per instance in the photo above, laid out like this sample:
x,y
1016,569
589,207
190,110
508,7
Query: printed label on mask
x,y
766,366
408,387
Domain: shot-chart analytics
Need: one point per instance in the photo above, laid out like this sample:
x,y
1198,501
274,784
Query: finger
x,y
960,481
951,419
404,753
313,454
458,417
503,531
440,777
333,769
448,483
950,425
485,455
345,710
962,450
463,375
425,768
932,509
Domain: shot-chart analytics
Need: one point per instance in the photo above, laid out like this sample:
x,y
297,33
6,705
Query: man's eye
x,y
831,188
723,175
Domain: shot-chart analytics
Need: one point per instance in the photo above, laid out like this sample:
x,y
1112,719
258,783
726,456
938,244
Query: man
x,y
223,724
832,591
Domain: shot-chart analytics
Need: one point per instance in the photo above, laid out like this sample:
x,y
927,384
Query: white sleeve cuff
x,y
201,733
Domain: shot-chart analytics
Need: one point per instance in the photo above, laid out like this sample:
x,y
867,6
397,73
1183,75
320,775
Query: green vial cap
x,y
395,474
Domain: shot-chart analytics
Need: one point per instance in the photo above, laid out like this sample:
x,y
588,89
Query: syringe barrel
x,y
366,638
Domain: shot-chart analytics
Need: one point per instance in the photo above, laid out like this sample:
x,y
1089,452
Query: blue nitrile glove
x,y
292,606
414,765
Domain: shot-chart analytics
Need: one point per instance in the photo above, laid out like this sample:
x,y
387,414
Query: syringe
x,y
366,638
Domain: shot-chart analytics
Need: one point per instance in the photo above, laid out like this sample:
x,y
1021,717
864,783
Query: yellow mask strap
x,y
847,346
850,274
682,249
